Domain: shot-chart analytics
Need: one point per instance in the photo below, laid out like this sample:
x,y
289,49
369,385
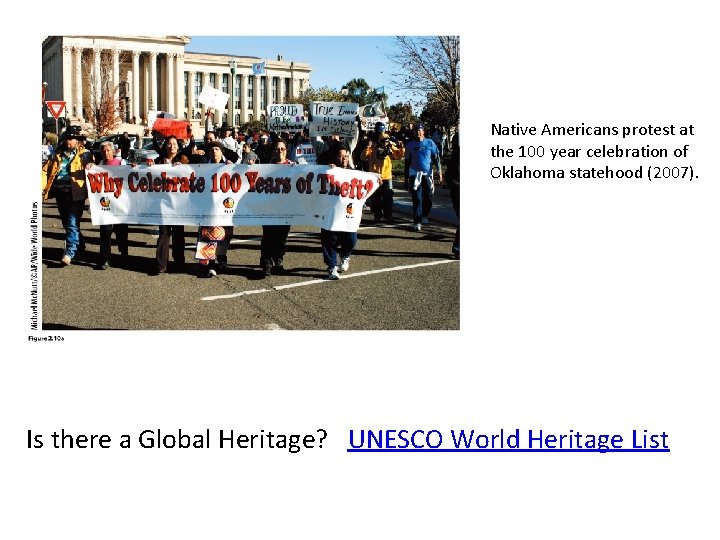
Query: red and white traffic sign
x,y
55,107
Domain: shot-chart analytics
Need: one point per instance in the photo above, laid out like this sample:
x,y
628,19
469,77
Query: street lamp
x,y
233,67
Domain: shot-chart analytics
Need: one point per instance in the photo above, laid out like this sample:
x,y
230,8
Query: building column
x,y
243,97
153,98
180,86
76,106
97,79
115,55
256,97
205,77
292,81
67,73
170,82
135,97
191,95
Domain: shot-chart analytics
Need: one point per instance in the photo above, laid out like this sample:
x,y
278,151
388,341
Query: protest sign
x,y
212,97
215,194
288,117
333,118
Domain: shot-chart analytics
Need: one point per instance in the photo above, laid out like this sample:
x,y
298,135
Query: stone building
x,y
156,73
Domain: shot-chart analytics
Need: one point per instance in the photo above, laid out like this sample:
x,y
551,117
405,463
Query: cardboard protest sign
x,y
288,117
333,118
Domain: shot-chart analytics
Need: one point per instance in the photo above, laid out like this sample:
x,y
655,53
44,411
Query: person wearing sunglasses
x,y
274,238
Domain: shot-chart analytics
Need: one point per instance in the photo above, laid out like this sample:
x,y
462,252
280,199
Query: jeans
x,y
334,242
70,214
422,196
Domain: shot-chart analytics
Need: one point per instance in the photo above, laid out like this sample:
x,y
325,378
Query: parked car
x,y
144,152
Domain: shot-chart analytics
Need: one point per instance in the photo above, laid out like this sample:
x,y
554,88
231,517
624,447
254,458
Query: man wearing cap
x,y
378,156
63,177
227,140
420,154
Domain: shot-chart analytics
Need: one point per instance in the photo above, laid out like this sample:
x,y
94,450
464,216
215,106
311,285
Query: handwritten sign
x,y
333,118
287,117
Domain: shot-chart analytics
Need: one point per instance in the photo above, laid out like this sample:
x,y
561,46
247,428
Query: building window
x,y
213,80
238,119
225,87
275,83
250,85
250,117
198,89
287,87
263,93
185,89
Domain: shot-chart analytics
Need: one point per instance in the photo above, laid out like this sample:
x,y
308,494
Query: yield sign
x,y
55,108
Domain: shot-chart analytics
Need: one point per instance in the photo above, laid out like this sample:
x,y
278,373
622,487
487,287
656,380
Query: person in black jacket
x,y
452,178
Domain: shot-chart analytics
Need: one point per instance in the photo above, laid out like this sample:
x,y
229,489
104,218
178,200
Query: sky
x,y
334,60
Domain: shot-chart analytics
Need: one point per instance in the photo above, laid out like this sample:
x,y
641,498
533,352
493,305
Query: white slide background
x,y
589,305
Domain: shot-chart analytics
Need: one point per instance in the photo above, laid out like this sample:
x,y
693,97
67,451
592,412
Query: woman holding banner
x,y
274,238
107,151
336,243
170,154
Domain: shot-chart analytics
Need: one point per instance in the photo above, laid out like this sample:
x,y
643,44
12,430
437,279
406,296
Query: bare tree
x,y
429,65
103,106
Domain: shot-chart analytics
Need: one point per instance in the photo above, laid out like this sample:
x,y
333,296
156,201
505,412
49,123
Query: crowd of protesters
x,y
64,178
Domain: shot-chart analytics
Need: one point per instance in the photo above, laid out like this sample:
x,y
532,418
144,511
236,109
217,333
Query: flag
x,y
380,90
259,68
344,91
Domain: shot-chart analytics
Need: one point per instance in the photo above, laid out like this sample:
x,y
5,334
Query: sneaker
x,y
424,220
65,260
267,270
222,264
417,227
333,273
104,265
344,264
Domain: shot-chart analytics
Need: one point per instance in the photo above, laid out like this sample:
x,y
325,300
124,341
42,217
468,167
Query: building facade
x,y
156,73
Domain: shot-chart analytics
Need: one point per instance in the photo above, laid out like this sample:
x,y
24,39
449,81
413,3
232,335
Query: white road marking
x,y
342,276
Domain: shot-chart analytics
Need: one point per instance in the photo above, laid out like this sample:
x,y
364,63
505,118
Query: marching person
x,y
211,251
121,229
420,155
378,156
452,178
338,243
274,238
63,178
170,154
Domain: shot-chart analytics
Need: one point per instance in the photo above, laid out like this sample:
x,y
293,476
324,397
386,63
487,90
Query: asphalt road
x,y
398,279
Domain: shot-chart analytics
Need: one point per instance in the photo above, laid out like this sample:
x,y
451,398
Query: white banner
x,y
212,97
288,117
316,195
333,118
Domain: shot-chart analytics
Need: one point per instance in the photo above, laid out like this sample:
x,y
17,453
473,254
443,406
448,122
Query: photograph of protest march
x,y
231,183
